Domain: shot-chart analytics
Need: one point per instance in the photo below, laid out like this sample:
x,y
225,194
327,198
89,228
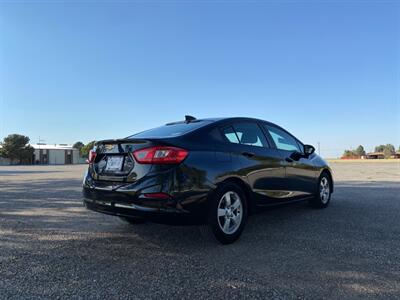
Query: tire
x,y
324,192
227,213
133,220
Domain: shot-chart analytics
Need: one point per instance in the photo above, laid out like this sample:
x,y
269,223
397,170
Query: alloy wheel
x,y
324,190
230,212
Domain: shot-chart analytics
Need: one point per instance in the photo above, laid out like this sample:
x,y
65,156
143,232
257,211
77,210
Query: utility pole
x,y
319,148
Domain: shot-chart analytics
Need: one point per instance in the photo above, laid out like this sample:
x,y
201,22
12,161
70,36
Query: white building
x,y
56,154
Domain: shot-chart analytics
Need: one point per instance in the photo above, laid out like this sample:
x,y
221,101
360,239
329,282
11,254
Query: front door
x,y
300,173
43,156
68,157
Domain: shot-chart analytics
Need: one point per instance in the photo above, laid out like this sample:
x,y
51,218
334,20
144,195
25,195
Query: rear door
x,y
262,165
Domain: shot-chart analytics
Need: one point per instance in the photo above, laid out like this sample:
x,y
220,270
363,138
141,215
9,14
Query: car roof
x,y
217,121
239,119
224,119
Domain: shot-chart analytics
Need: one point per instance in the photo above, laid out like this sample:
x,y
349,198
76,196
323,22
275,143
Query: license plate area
x,y
115,166
114,163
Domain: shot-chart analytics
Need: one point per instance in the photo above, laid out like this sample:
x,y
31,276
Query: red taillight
x,y
92,156
160,155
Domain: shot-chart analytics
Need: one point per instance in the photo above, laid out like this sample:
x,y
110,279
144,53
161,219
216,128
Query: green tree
x,y
389,150
16,146
85,149
78,145
348,154
380,148
360,151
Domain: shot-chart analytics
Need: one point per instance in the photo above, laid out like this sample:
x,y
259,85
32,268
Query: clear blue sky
x,y
326,71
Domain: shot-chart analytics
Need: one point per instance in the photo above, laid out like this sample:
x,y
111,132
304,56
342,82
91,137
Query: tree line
x,y
16,147
84,149
388,150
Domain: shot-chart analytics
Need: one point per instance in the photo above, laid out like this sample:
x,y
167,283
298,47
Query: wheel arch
x,y
251,205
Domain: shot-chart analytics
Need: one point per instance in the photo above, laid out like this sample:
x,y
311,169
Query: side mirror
x,y
308,150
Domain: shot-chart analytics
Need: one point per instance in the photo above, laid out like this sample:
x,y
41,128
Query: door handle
x,y
248,154
288,159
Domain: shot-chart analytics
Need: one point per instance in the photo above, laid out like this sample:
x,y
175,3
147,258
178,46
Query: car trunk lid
x,y
114,160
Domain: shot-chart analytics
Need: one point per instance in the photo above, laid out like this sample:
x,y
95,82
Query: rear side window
x,y
282,139
230,135
171,130
245,133
250,134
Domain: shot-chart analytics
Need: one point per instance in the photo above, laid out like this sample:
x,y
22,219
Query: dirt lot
x,y
50,246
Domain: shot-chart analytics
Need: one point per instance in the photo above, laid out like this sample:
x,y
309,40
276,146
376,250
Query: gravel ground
x,y
51,247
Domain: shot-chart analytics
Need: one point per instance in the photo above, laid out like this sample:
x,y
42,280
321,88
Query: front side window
x,y
250,134
282,139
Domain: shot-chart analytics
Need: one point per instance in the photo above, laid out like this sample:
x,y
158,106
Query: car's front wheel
x,y
324,192
228,213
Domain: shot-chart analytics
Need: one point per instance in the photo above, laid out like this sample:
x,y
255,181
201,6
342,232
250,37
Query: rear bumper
x,y
188,203
124,210
167,211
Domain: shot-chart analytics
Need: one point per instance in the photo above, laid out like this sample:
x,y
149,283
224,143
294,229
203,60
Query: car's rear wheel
x,y
228,213
133,220
324,192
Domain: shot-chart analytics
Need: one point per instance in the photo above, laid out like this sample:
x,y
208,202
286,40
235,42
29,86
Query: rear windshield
x,y
171,130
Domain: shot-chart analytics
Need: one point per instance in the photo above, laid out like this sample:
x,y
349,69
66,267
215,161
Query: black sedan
x,y
210,171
